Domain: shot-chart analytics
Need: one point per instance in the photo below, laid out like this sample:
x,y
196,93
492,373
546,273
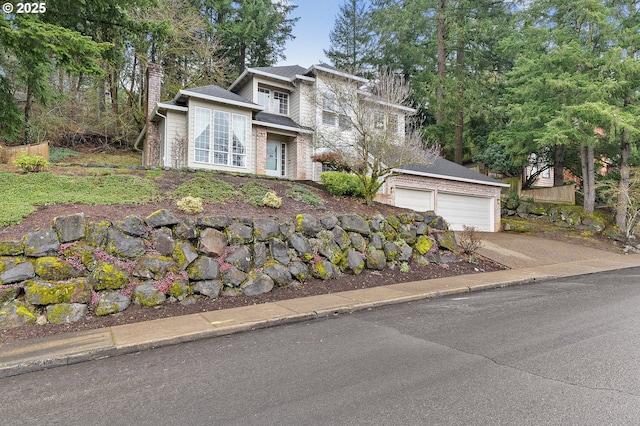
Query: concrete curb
x,y
66,349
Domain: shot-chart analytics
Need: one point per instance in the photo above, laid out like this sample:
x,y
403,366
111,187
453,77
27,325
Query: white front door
x,y
275,159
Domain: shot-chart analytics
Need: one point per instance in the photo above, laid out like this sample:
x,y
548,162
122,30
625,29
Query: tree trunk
x,y
587,158
441,65
558,166
243,57
113,90
459,134
28,134
623,185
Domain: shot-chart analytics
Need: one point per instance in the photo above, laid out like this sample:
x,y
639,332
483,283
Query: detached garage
x,y
461,196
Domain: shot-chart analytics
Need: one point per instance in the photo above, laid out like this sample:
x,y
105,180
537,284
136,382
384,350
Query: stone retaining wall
x,y
59,274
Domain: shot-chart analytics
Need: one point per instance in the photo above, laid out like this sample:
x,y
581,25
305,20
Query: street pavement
x,y
531,259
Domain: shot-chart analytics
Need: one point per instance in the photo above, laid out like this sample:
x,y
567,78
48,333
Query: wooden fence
x,y
11,152
559,194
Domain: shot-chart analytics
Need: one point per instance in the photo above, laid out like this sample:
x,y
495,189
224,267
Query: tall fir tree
x,y
351,39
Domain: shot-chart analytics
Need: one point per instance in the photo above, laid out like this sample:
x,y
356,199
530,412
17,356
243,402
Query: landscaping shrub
x,y
469,239
272,200
190,205
303,194
30,163
58,154
206,187
341,183
254,193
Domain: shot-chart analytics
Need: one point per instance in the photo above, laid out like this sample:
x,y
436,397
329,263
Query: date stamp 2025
x,y
22,8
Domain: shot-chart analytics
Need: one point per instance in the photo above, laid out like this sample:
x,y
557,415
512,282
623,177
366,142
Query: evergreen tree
x,y
448,49
35,48
351,39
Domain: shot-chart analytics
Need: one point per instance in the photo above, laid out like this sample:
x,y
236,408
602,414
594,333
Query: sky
x,y
317,18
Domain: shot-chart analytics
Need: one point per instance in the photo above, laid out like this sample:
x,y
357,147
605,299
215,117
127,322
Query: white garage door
x,y
420,201
459,210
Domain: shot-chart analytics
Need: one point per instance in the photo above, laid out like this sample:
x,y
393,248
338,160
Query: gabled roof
x,y
445,169
279,122
217,94
287,71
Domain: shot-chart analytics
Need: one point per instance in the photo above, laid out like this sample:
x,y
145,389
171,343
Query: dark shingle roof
x,y
443,167
287,71
219,92
278,120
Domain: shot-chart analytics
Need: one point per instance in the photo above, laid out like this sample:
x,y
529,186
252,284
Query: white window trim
x,y
233,120
271,96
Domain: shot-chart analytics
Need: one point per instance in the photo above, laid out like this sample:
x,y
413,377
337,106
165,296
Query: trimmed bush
x,y
272,200
190,205
341,183
30,163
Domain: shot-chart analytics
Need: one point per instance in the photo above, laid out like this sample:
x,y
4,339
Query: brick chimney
x,y
152,145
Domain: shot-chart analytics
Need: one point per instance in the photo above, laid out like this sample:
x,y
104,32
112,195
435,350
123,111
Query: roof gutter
x,y
248,105
454,178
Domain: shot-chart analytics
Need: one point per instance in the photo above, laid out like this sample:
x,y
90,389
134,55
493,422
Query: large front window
x,y
226,144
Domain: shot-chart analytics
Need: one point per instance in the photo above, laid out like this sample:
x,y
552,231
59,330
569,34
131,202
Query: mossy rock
x,y
423,244
111,302
85,254
55,269
517,226
97,233
148,295
15,315
394,222
66,313
48,293
8,294
323,269
180,289
11,248
108,277
446,240
376,260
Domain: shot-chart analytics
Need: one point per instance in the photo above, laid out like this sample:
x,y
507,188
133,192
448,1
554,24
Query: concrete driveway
x,y
519,251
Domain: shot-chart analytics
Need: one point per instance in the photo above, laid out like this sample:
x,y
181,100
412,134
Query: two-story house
x,y
267,122
275,120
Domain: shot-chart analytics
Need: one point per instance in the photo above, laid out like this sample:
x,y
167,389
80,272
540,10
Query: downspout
x,y
164,142
140,136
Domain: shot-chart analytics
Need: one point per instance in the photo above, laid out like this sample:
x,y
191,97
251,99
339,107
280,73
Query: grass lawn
x,y
20,193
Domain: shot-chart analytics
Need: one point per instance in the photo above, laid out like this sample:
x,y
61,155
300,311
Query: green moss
x,y
23,311
179,256
180,290
48,293
320,271
11,248
299,220
109,277
54,269
423,244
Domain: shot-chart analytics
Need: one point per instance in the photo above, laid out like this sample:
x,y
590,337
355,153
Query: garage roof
x,y
444,169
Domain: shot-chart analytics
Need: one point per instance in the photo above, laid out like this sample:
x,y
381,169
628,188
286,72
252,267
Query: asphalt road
x,y
565,352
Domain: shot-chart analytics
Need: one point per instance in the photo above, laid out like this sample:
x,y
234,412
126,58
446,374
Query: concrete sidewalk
x,y
533,259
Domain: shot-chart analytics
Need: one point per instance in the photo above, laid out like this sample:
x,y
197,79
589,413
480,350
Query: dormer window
x,y
273,101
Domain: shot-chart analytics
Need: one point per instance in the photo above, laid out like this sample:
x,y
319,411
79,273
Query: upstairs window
x,y
273,101
392,123
264,98
329,115
281,103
